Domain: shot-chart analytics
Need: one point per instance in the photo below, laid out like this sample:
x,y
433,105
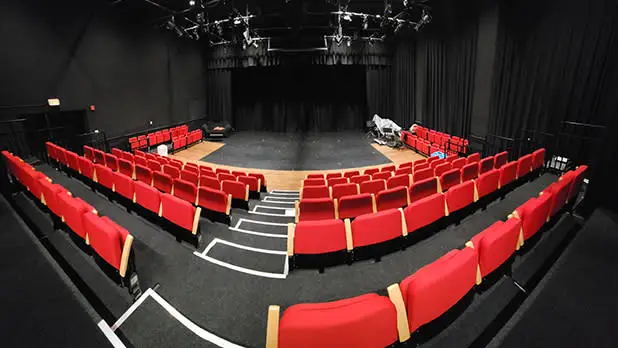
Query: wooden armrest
x,y
336,208
126,251
348,235
291,228
403,329
272,327
228,209
296,210
404,225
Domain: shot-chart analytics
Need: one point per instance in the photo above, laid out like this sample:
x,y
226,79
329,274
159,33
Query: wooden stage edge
x,y
287,179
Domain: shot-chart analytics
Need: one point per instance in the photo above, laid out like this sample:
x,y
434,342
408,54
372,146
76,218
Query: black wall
x,y
88,52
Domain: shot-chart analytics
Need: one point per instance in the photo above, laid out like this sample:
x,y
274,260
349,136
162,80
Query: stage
x,y
286,159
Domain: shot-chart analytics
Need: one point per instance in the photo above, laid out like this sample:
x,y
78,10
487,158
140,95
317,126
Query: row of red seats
x,y
372,320
180,213
156,138
429,141
348,200
110,241
183,141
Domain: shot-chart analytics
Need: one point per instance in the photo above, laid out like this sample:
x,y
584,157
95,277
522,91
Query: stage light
x,y
349,43
191,3
365,22
347,17
53,102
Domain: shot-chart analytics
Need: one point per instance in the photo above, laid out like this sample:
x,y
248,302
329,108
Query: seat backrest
x,y
260,177
73,160
359,179
213,183
435,288
315,192
389,168
238,190
125,168
524,165
436,163
104,175
560,194
487,183
253,182
578,178
398,181
190,177
238,173
143,174
356,205
314,182
392,198
315,176
422,174
333,175
162,182
336,181
340,190
403,171
442,168
154,165
178,211
500,159
470,171
424,211
473,158
141,161
171,170
449,179
209,174
123,185
423,188
86,167
486,164
459,196
538,159
185,190
214,200
225,176
351,173
376,228
371,171
458,163
147,196
373,186
319,237
496,244
508,173
316,209
73,210
533,214
106,238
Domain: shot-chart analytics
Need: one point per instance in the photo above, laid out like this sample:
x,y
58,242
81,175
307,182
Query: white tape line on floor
x,y
111,336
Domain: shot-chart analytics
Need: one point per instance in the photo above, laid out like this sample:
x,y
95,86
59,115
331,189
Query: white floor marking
x,y
210,245
242,269
278,202
257,250
269,198
208,336
131,309
261,222
287,211
111,336
263,234
274,191
285,194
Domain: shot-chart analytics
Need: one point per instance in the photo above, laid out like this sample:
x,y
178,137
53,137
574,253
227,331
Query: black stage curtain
x,y
219,95
553,61
379,95
290,99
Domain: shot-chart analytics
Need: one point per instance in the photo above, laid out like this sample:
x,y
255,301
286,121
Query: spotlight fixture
x,y
365,22
346,16
191,3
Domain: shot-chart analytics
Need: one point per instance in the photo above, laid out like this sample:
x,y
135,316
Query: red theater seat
x,y
89,152
123,185
495,245
316,209
486,164
225,176
359,179
317,237
117,152
351,174
559,195
501,159
72,160
469,171
371,171
356,205
340,190
190,177
441,169
405,165
390,168
253,183
73,210
217,170
420,161
336,181
154,166
213,183
99,156
104,175
577,179
180,213
432,159
458,163
524,165
214,200
435,288
450,179
86,167
398,181
203,169
147,196
422,174
49,195
314,182
473,158
377,228
315,176
110,241
423,188
238,190
459,196
260,177
424,212
333,175
141,161
403,171
185,190
373,186
208,174
538,159
381,176
237,173
508,173
172,171
436,163
487,183
533,215
315,192
143,174
162,182
126,168
392,198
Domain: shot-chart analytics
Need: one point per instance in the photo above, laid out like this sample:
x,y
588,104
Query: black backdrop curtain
x,y
379,95
291,98
553,61
219,95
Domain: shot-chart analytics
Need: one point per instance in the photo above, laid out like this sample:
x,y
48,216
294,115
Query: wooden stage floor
x,y
287,179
